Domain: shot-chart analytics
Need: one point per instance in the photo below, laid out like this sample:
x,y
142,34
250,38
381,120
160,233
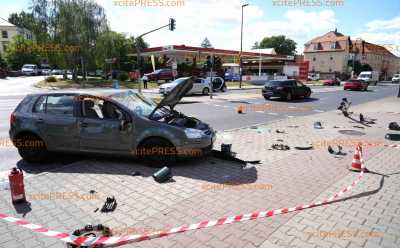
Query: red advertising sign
x,y
303,70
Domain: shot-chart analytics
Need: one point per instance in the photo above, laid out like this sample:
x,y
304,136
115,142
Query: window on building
x,y
314,59
331,58
316,46
4,34
333,45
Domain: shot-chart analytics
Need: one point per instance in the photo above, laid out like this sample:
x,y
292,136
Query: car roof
x,y
94,92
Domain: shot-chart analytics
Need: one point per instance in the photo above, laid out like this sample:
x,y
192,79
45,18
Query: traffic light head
x,y
172,24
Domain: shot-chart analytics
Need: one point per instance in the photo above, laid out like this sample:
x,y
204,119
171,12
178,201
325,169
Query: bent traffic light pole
x,y
171,25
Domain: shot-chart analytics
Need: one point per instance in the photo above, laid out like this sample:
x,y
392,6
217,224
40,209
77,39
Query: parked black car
x,y
285,89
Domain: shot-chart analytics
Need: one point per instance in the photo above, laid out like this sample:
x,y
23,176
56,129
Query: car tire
x,y
32,148
289,96
158,159
307,95
266,97
206,91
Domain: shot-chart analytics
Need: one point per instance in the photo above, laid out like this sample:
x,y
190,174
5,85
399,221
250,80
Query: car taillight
x,y
13,119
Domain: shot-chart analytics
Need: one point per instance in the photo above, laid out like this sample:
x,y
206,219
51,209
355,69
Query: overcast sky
x,y
219,20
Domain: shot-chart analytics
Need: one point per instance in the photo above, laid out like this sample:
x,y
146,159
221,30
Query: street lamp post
x,y
241,48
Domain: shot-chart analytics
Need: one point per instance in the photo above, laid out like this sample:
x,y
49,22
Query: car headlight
x,y
193,133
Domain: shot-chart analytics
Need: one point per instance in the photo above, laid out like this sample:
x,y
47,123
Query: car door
x,y
104,126
300,89
217,83
56,121
197,86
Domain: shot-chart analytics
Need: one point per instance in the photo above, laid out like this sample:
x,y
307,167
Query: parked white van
x,y
396,78
371,77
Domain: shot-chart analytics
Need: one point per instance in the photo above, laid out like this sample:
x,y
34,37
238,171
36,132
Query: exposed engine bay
x,y
180,120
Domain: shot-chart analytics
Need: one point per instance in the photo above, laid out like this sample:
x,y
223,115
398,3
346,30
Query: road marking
x,y
318,111
262,112
272,113
290,116
291,107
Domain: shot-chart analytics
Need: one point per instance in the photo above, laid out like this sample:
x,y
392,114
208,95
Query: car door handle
x,y
40,120
83,124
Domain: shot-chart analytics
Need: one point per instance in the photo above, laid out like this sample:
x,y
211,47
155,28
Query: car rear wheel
x,y
31,148
157,152
266,97
289,96
206,91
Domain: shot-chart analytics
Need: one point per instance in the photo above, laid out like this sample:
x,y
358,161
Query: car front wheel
x,y
206,91
157,152
307,95
31,148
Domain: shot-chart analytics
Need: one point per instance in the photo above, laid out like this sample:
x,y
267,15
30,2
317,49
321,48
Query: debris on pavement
x,y
110,205
280,147
339,152
360,127
394,126
393,136
163,175
280,131
304,148
318,125
91,231
344,107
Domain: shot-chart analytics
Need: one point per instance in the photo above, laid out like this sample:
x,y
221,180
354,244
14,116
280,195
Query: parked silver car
x,y
200,86
115,122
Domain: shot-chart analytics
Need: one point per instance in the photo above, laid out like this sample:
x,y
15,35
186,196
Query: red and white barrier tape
x,y
117,241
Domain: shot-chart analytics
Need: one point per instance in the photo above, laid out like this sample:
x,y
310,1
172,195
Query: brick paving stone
x,y
296,177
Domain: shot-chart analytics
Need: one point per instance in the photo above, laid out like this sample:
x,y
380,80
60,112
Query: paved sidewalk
x,y
283,179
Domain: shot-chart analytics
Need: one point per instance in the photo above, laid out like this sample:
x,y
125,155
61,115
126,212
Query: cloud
x,y
219,20
384,24
383,32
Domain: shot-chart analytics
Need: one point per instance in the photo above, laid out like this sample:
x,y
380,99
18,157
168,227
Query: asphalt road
x,y
220,114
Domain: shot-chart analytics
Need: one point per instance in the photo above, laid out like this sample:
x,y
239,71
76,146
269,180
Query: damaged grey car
x,y
109,122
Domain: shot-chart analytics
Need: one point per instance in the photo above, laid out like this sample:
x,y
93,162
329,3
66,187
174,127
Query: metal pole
x,y
211,77
259,66
241,50
398,95
139,64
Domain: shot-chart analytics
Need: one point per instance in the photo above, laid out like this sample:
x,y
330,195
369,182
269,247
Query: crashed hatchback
x,y
111,122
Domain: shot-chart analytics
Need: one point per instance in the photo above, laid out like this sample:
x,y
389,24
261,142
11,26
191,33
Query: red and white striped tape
x,y
117,241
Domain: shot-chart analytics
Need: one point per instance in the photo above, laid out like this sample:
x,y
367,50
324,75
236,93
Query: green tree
x,y
255,46
280,43
3,63
206,43
366,67
21,51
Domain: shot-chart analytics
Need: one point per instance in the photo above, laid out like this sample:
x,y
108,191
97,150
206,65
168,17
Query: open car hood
x,y
175,95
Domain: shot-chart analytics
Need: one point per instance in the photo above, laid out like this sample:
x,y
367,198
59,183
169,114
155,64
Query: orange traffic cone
x,y
356,163
240,109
